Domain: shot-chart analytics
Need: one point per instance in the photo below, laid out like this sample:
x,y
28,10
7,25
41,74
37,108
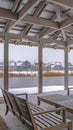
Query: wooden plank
x,y
47,31
29,5
2,100
54,118
13,102
41,123
58,100
36,14
23,108
68,3
31,38
58,13
3,125
41,22
66,23
8,14
15,5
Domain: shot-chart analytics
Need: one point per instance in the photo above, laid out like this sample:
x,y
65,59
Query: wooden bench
x,y
34,116
8,103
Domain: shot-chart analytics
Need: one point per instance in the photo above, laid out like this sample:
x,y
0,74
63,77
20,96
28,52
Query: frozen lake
x,y
23,82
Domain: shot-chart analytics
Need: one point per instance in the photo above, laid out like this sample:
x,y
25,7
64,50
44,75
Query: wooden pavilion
x,y
41,23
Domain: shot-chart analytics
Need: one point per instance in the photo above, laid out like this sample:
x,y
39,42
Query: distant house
x,y
19,63
58,67
2,66
12,65
48,67
70,66
1,63
21,66
27,65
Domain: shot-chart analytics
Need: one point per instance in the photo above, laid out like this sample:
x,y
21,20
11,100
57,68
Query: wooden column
x,y
6,61
40,68
66,67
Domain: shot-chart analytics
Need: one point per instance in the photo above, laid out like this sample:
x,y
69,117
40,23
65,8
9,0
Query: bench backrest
x,y
14,103
6,99
18,105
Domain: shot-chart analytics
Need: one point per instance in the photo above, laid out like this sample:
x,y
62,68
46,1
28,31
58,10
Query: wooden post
x,y
6,61
66,67
40,68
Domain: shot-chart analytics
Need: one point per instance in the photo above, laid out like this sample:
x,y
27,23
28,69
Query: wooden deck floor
x,y
3,125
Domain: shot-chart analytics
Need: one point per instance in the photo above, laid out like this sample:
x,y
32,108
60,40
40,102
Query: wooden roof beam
x,y
44,40
69,29
36,14
8,14
68,3
29,5
40,21
34,39
58,13
30,38
54,47
56,34
66,23
15,5
4,13
47,31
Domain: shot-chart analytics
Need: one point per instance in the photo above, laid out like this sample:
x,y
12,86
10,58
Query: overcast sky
x,y
18,52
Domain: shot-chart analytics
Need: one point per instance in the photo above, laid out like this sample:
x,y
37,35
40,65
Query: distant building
x,y
27,66
70,66
12,66
24,66
19,63
58,67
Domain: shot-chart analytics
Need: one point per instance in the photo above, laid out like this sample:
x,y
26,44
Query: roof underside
x,y
34,22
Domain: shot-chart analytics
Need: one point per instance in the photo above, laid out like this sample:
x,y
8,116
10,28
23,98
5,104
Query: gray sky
x,y
31,54
17,52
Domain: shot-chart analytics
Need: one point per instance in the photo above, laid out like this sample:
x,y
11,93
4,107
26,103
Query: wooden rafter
x,y
46,31
58,13
68,3
36,20
29,5
40,22
8,14
15,5
56,34
30,39
66,23
69,29
36,14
